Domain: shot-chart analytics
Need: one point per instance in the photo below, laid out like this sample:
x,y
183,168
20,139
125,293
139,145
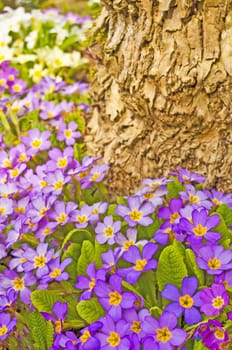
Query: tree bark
x,y
162,90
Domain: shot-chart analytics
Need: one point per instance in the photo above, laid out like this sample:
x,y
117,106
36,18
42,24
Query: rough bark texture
x,y
164,90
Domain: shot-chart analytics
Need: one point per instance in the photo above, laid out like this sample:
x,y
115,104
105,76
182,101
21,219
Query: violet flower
x,y
141,262
107,230
214,299
112,298
137,212
68,133
172,212
162,334
113,334
213,334
186,176
7,324
200,226
36,141
214,259
184,301
88,283
59,310
196,198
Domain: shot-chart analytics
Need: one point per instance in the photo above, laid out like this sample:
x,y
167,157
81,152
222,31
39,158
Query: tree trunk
x,y
163,90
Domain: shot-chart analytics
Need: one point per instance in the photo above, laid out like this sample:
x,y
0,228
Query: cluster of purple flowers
x,y
60,236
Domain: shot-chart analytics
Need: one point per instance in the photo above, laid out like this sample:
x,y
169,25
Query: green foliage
x,y
90,310
192,266
147,288
73,251
173,189
42,331
171,267
43,300
87,256
225,212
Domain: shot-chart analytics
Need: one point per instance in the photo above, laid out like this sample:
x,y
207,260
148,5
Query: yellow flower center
x,y
20,210
2,211
114,339
58,62
46,231
3,330
140,264
200,230
81,219
109,231
194,199
62,162
216,201
220,334
92,284
149,195
14,172
50,114
2,82
43,211
43,183
128,244
11,77
186,301
36,143
173,217
68,133
170,233
58,185
82,174
40,261
55,273
17,87
135,215
94,211
95,176
22,158
23,260
214,263
58,326
136,326
62,218
86,335
218,302
115,298
163,334
31,224
18,284
7,163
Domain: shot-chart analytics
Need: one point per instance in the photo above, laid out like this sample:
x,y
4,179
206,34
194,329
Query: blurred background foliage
x,y
82,7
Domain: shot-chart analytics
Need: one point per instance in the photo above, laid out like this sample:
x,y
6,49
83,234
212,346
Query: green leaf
x,y
90,310
193,267
171,267
86,257
173,189
43,300
99,249
42,331
222,228
226,213
73,251
147,288
155,311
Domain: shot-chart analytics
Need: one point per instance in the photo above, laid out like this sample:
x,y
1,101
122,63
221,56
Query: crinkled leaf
x,y
192,266
173,189
86,257
43,300
171,267
90,310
